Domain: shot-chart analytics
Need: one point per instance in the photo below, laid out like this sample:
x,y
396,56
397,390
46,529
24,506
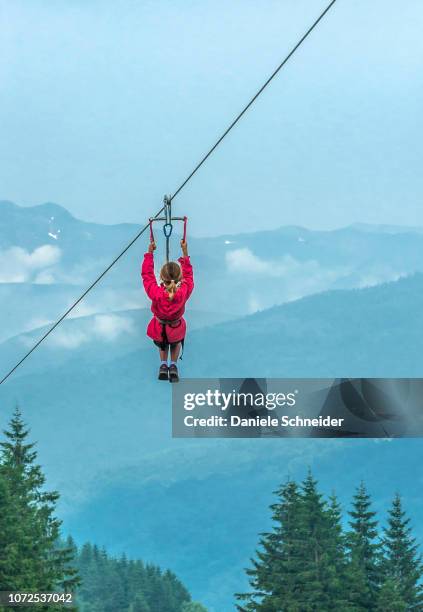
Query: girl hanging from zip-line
x,y
167,328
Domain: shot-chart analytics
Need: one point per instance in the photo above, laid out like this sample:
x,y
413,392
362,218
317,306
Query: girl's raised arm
x,y
147,273
187,271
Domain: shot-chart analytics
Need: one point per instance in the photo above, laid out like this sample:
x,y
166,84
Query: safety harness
x,y
171,323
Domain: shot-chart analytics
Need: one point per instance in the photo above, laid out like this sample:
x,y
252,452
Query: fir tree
x,y
364,553
9,537
193,606
390,599
140,604
338,594
40,562
308,564
273,576
321,573
300,564
402,563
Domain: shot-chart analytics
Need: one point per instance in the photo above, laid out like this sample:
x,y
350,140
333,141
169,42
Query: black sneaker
x,y
173,374
163,372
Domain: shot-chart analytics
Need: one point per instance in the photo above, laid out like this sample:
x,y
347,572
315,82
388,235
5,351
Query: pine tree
x,y
308,564
390,599
402,564
364,573
320,577
41,562
273,576
193,606
140,604
338,593
301,564
85,567
9,536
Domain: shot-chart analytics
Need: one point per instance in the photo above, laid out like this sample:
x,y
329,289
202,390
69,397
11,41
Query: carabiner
x,y
167,229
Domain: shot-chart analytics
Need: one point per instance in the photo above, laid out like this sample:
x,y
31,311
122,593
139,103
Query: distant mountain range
x,y
47,258
373,332
98,338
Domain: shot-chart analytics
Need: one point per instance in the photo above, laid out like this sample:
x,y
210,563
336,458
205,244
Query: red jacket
x,y
162,307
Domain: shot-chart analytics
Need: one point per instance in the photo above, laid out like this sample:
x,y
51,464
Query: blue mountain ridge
x,y
84,339
243,272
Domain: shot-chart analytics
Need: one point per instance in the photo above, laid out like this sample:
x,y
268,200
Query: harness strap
x,y
163,323
167,321
164,334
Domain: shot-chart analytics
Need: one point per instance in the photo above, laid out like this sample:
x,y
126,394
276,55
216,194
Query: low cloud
x,y
376,276
65,338
108,301
18,265
290,278
106,328
266,282
100,328
45,278
254,303
109,326
244,262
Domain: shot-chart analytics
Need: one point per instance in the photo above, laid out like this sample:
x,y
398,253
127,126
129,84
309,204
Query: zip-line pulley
x,y
167,223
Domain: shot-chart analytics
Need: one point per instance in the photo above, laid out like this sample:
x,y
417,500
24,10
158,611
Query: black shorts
x,y
165,345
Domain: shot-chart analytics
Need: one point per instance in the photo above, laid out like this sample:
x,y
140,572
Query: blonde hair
x,y
170,275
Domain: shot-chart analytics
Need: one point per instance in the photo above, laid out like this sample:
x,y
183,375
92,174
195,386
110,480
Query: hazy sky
x,y
106,105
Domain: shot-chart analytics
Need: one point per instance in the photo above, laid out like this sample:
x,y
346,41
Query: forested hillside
x,y
122,585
